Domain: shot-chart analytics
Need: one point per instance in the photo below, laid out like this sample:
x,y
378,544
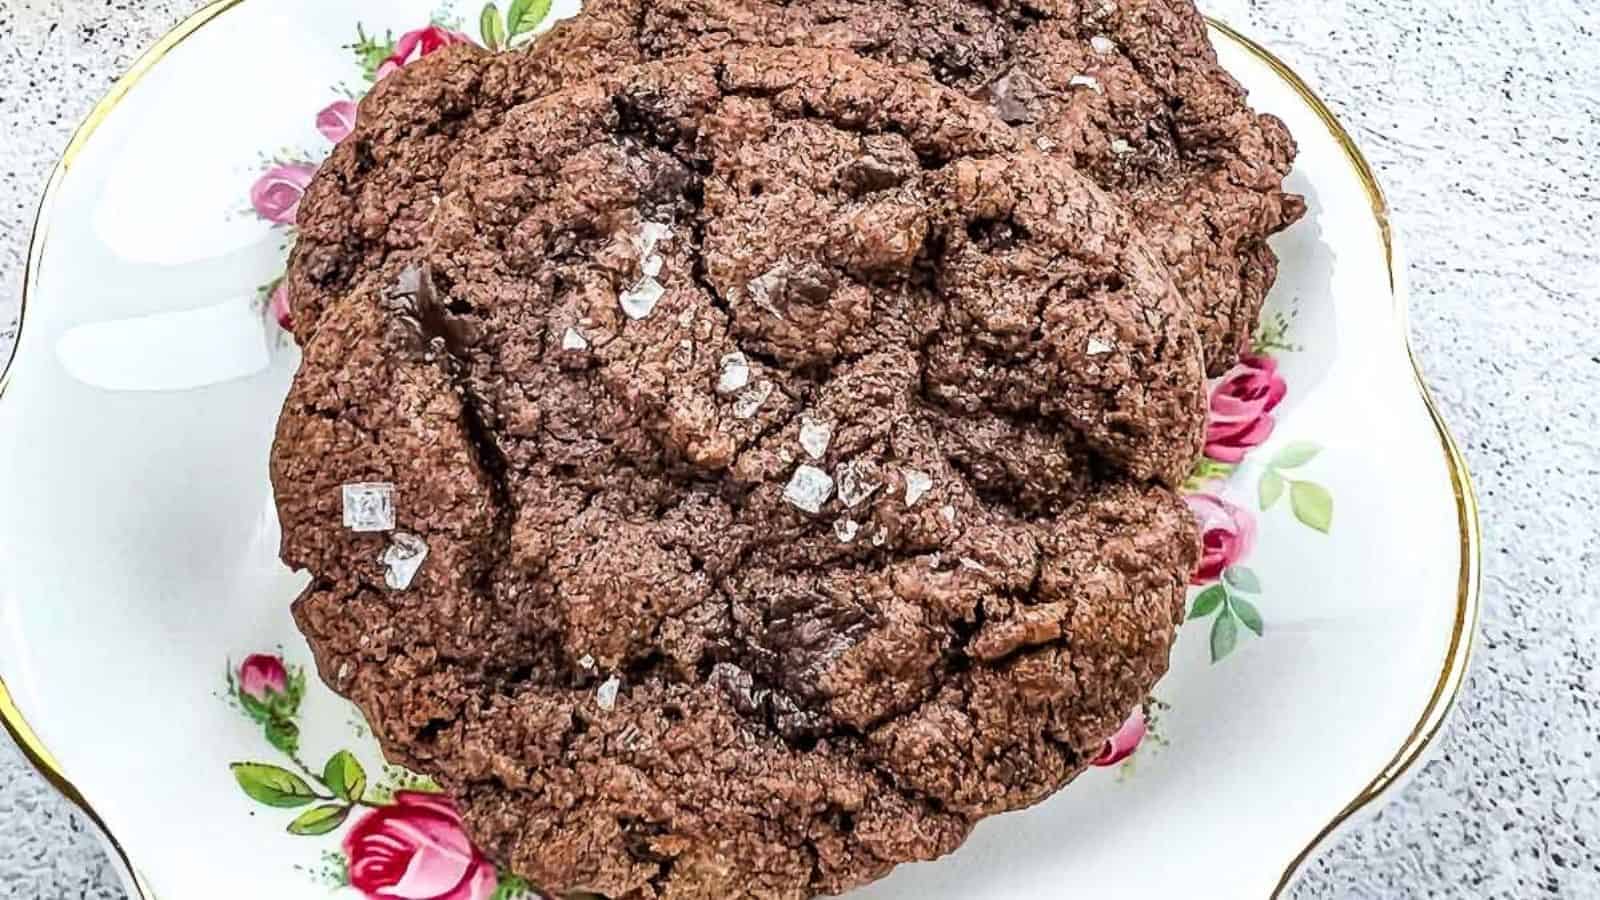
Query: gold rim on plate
x,y
1457,656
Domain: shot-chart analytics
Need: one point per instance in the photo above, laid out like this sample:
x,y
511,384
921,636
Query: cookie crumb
x,y
369,506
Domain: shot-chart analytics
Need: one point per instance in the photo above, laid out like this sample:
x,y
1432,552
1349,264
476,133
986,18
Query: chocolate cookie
x,y
1129,92
782,445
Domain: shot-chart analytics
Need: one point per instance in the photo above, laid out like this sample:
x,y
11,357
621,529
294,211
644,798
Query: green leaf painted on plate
x,y
297,689
371,51
1295,455
526,15
1242,579
272,785
1272,486
1313,505
1209,601
493,27
1248,614
345,777
320,820
284,735
1224,636
254,708
514,887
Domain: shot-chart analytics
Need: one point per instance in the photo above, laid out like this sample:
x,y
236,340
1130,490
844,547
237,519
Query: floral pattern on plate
x,y
379,856
405,838
275,196
1240,421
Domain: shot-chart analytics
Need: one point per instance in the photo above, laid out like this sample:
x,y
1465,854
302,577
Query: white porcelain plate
x,y
144,615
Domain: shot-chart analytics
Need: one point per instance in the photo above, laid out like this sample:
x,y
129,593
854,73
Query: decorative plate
x,y
152,671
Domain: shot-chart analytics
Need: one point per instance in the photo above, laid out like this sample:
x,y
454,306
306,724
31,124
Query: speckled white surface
x,y
1483,118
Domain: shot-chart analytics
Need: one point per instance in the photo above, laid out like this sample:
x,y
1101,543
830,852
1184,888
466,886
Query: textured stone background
x,y
1483,118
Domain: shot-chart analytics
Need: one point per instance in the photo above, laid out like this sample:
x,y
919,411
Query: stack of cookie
x,y
779,411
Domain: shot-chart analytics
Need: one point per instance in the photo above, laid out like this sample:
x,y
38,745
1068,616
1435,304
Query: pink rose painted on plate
x,y
414,45
262,676
337,120
1241,408
276,195
1122,745
1227,534
279,307
417,849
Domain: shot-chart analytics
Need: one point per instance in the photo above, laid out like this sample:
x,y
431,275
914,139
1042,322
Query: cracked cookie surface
x,y
1129,92
793,445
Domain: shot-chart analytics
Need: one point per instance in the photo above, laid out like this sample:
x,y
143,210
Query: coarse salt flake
x,y
854,485
735,375
809,489
606,696
1085,81
846,530
650,235
761,290
918,483
369,506
750,401
815,436
640,300
574,340
1098,347
1103,44
402,559
1121,147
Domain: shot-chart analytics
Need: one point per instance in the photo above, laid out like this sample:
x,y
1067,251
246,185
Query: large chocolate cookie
x,y
787,445
1128,91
